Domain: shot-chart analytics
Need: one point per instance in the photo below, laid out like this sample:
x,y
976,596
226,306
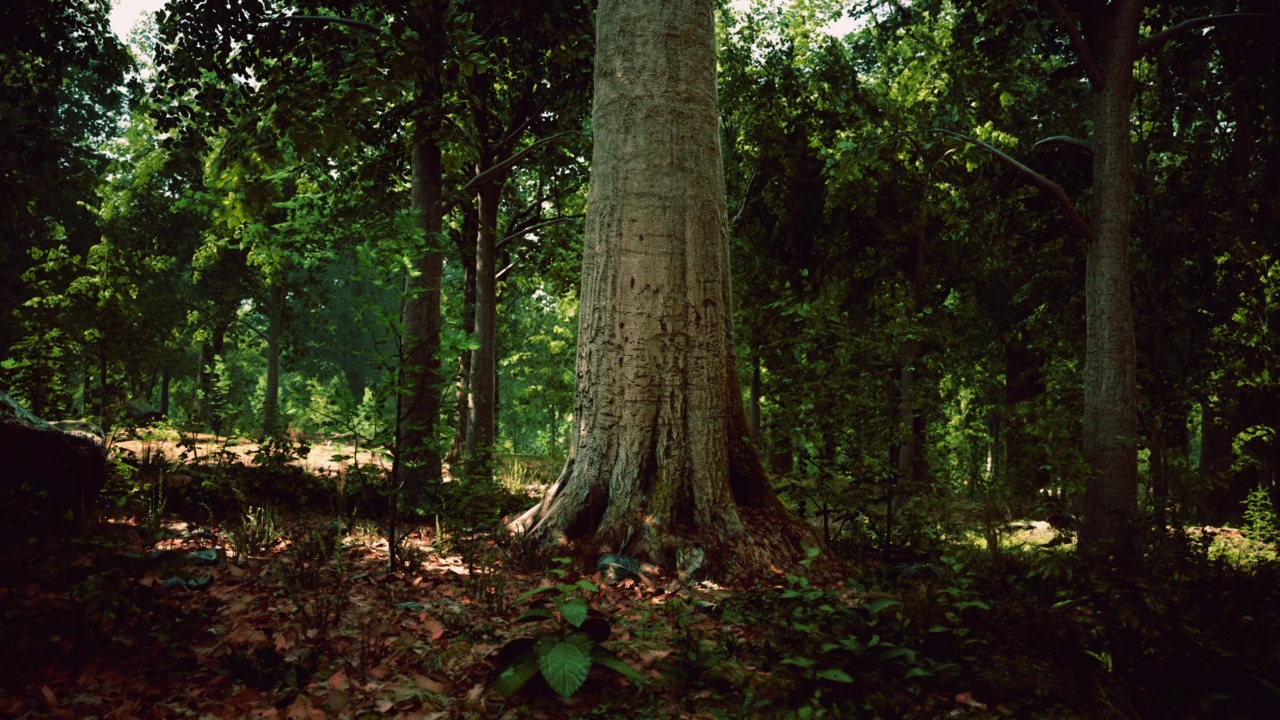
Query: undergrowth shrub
x,y
568,640
257,531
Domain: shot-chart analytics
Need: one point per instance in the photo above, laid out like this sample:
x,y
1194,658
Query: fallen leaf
x,y
338,701
49,698
339,681
434,628
430,684
380,672
299,709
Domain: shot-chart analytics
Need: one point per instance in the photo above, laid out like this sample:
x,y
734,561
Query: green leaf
x,y
875,606
605,657
574,611
564,663
803,662
536,614
835,675
536,591
917,672
516,675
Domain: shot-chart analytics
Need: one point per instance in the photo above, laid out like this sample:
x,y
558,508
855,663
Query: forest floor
x,y
121,625
270,607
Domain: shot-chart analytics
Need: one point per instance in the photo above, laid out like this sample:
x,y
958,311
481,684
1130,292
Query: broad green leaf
x,y
835,675
536,591
536,614
574,611
564,664
875,606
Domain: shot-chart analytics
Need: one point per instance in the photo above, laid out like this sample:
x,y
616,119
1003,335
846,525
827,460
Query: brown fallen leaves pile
x,y
92,630
97,628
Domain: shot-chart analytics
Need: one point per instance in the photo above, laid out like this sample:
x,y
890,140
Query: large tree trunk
x,y
420,458
661,467
1110,523
275,331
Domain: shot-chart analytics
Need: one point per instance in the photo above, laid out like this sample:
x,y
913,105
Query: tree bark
x,y
753,410
1110,523
462,390
275,330
661,467
911,426
165,379
420,465
483,358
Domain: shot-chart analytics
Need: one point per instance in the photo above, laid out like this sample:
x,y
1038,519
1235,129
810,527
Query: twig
x,y
1165,36
1043,182
1078,43
1071,142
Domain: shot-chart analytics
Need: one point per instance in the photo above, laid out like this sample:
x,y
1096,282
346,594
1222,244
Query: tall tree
x,y
661,466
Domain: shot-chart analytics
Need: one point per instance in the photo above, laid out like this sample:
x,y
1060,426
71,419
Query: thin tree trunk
x,y
213,408
165,378
275,331
753,411
462,392
1109,525
483,358
908,455
420,465
661,467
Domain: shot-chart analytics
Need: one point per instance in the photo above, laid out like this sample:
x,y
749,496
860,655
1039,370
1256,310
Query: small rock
x,y
196,583
206,558
616,568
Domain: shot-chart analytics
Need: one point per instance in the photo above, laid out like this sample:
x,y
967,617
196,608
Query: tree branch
x,y
1071,142
503,272
1036,178
327,19
521,232
746,199
1165,36
261,335
504,166
1078,43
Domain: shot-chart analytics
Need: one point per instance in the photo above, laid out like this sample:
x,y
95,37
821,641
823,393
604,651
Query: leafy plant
x,y
278,453
258,530
569,644
314,577
1260,517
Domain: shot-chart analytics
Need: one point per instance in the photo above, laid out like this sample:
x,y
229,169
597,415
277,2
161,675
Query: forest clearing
x,y
639,358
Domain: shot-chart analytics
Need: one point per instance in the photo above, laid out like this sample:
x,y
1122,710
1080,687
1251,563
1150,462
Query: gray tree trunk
x,y
1110,523
660,466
